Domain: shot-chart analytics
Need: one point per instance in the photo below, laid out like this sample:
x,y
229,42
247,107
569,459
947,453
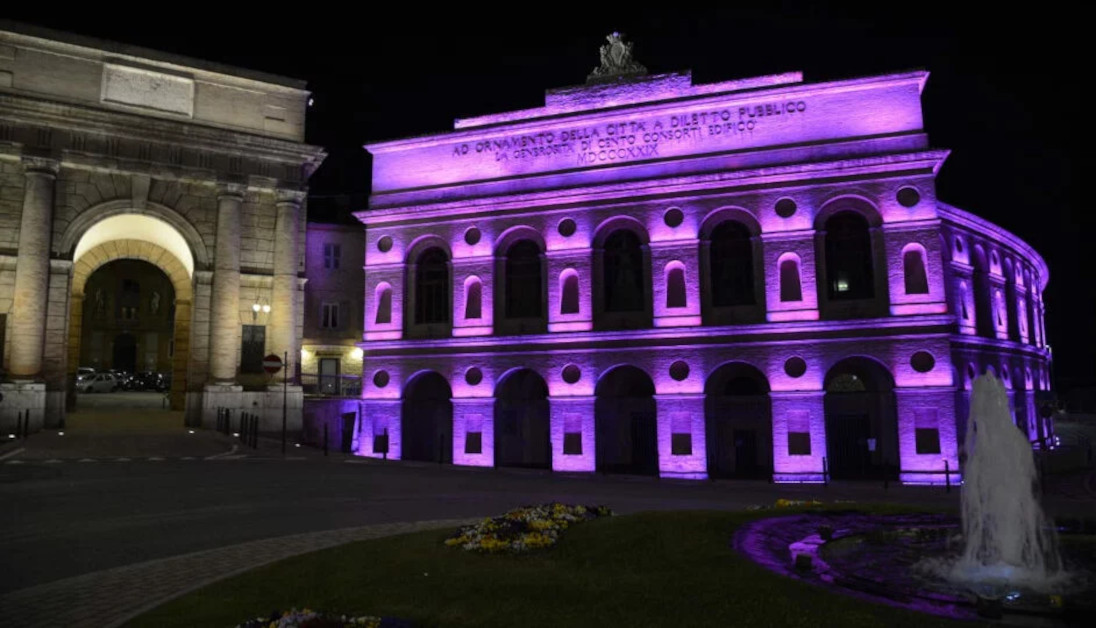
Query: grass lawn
x,y
649,569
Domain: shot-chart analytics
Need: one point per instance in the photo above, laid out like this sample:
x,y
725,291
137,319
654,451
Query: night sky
x,y
1003,93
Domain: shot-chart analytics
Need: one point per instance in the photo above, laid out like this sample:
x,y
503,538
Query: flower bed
x,y
311,619
524,529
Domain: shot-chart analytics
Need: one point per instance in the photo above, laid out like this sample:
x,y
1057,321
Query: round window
x,y
380,379
571,374
673,217
679,370
473,376
785,208
908,197
566,227
922,361
795,367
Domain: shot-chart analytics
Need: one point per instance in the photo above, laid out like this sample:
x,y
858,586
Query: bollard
x,y
947,476
825,473
325,439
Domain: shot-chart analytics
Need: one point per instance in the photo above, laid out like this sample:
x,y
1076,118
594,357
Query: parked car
x,y
148,380
99,382
84,370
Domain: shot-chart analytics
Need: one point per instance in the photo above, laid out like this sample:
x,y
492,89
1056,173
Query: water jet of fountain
x,y
1007,540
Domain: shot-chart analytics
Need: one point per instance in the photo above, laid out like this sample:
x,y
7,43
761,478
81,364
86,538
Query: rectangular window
x,y
252,348
928,440
329,376
473,442
572,443
329,317
681,444
331,254
799,443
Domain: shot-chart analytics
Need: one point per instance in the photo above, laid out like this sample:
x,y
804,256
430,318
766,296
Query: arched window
x,y
568,291
790,288
383,297
999,308
675,285
913,267
523,280
473,298
730,257
849,263
964,294
623,273
432,287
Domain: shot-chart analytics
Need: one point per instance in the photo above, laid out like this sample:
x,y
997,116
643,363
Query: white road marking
x,y
86,460
121,459
223,455
14,462
14,452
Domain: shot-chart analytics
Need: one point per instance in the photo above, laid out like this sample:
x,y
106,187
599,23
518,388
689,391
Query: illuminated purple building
x,y
727,280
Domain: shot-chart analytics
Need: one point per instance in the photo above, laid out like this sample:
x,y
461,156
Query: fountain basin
x,y
901,560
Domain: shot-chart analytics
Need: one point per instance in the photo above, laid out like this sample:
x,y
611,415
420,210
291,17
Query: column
x,y
474,431
799,436
283,338
572,433
927,439
28,312
682,450
225,324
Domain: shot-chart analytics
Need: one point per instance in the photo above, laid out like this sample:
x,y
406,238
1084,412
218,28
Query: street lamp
x,y
257,307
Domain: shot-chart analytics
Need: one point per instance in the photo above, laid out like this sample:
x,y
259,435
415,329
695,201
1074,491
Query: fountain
x,y
1006,538
1000,560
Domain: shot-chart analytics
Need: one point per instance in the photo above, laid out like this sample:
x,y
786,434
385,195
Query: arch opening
x,y
426,419
522,421
730,258
738,422
625,422
861,421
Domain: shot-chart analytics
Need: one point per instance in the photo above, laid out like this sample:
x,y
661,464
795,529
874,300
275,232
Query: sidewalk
x,y
115,596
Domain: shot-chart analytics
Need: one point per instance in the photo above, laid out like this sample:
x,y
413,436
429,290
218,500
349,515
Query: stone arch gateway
x,y
198,169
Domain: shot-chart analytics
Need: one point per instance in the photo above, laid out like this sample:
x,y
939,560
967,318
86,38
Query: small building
x,y
331,360
751,278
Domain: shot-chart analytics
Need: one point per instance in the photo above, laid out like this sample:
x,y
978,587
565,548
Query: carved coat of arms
x,y
616,60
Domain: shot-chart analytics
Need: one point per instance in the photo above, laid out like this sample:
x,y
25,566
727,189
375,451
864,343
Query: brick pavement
x,y
115,596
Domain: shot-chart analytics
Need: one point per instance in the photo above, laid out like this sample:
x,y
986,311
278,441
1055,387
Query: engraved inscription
x,y
148,89
633,139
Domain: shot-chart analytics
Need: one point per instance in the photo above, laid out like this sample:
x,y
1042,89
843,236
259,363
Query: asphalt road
x,y
166,492
68,518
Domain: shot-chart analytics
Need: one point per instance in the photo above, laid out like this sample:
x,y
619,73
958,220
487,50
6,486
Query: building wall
x,y
524,175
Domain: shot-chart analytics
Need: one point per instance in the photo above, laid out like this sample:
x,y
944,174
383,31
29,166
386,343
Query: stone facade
x,y
111,152
750,279
331,361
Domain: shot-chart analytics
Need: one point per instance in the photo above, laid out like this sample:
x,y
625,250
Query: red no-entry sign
x,y
272,364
